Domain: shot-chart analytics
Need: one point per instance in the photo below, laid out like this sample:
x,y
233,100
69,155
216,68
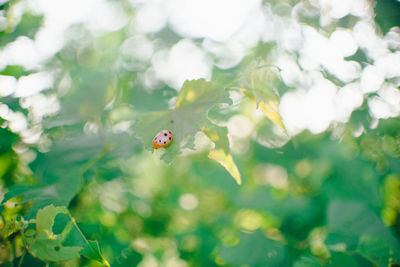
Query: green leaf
x,y
219,135
259,85
91,250
387,14
271,110
306,261
28,26
201,95
9,228
7,139
269,135
60,192
227,162
45,219
51,250
354,218
194,101
339,259
379,251
260,81
189,117
73,236
47,246
255,250
221,113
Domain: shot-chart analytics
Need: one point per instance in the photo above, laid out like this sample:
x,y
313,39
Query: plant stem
x,y
13,249
22,258
83,236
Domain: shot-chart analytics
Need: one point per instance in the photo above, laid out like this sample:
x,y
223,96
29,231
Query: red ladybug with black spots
x,y
162,139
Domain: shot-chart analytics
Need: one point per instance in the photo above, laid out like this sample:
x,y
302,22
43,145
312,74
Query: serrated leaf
x,y
47,246
91,250
194,101
221,113
201,95
219,135
227,162
259,85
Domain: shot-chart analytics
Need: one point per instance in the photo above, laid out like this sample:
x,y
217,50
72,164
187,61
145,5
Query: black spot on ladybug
x,y
165,142
170,138
165,134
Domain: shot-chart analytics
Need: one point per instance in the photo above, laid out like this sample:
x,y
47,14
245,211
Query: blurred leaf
x,y
255,250
27,27
7,139
59,193
129,257
14,104
387,14
306,261
319,202
227,162
269,135
9,228
339,259
145,101
297,214
5,163
379,251
71,150
86,99
354,218
195,99
348,220
259,84
15,71
48,246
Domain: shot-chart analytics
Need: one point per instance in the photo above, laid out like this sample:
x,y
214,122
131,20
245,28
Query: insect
x,y
162,139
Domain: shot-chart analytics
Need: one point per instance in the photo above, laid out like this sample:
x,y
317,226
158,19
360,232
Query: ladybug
x,y
162,139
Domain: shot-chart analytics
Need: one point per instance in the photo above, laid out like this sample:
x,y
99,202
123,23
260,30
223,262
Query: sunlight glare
x,y
7,85
188,201
185,61
33,83
194,18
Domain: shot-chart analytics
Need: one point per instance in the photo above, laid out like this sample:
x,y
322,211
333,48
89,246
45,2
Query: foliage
x,y
234,188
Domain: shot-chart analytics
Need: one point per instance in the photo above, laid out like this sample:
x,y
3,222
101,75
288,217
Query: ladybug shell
x,y
162,139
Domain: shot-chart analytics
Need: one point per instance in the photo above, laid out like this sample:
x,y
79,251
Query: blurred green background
x,y
312,124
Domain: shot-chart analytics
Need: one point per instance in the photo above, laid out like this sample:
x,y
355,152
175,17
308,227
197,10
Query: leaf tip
x,y
226,161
